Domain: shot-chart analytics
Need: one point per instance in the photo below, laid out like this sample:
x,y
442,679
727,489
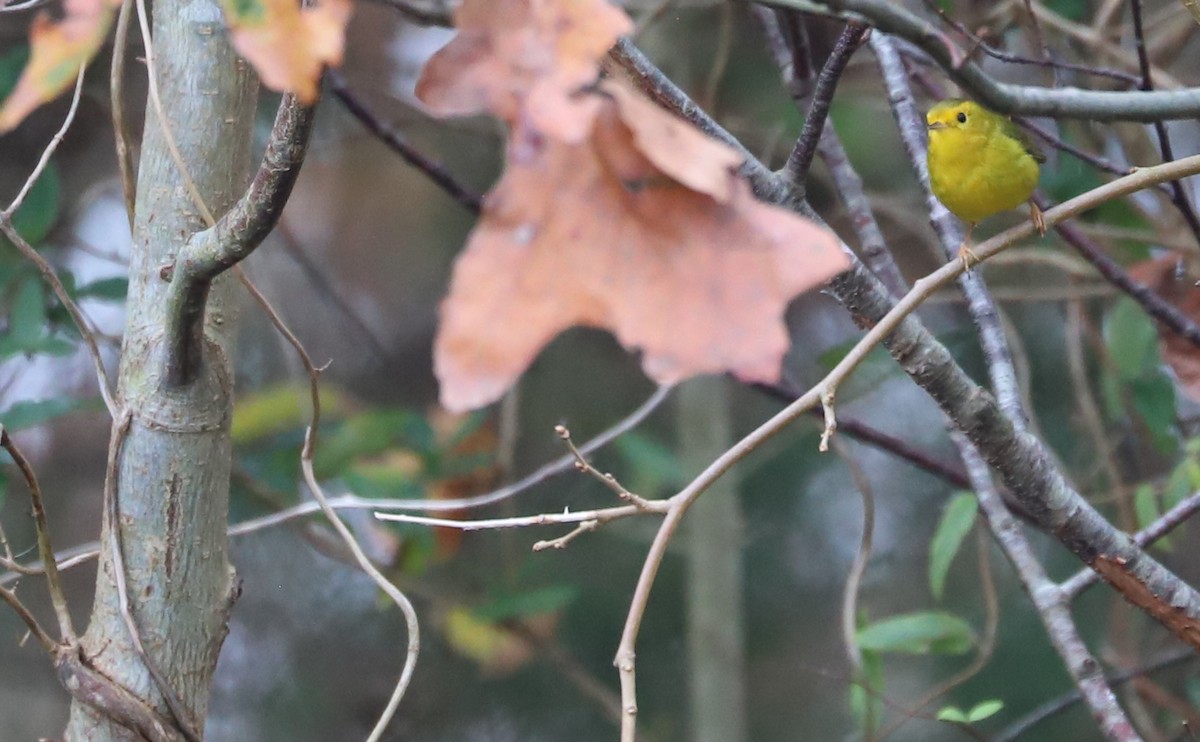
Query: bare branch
x,y
1056,706
396,141
1053,610
1006,98
111,700
116,86
35,628
800,161
1162,526
45,548
243,228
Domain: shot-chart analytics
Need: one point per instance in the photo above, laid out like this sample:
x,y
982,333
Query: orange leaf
x,y
289,45
58,48
598,234
524,59
1179,353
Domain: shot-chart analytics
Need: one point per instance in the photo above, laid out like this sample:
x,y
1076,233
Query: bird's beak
x,y
937,125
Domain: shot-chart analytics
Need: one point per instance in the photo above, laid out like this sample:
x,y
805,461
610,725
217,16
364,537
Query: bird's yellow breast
x,y
979,171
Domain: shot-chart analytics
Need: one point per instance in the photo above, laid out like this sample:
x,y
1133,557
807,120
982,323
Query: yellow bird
x,y
980,164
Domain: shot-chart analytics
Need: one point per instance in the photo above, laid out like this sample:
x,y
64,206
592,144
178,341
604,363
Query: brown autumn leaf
x,y
524,60
1160,274
598,234
57,49
288,45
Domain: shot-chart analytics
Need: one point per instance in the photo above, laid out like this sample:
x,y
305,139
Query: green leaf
x,y
867,706
533,603
874,370
984,709
952,714
956,522
12,63
367,434
108,289
27,318
1154,399
1131,339
1181,483
923,632
652,465
39,211
27,414
383,481
1146,510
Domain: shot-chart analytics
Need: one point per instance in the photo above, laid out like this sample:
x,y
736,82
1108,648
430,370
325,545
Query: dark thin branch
x,y
652,82
329,292
113,701
31,623
800,161
231,240
45,548
1029,100
876,438
1056,706
1157,307
978,43
388,134
1054,612
1179,197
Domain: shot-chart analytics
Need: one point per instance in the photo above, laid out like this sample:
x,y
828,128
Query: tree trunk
x,y
716,624
173,467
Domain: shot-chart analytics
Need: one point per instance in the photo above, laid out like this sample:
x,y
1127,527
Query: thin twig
x,y
858,567
1179,196
977,42
396,141
48,152
45,548
364,563
48,273
1097,105
1056,706
35,628
800,161
602,515
1047,598
986,646
1157,307
116,86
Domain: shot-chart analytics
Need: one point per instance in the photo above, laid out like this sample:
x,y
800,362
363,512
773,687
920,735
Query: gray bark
x,y
173,466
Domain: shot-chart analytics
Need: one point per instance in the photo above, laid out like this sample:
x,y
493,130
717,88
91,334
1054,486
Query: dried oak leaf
x,y
524,60
57,49
600,234
1161,275
288,45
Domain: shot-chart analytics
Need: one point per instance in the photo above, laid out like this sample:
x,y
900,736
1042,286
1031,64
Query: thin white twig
x,y
51,147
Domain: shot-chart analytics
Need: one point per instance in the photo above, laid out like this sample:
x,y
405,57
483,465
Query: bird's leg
x,y
1035,215
965,254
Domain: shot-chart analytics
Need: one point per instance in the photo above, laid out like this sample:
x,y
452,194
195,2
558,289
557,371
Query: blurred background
x,y
518,645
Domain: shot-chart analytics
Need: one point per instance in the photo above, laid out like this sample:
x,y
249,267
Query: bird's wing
x,y
1014,131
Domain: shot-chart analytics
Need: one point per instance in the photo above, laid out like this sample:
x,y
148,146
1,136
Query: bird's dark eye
x,y
962,117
